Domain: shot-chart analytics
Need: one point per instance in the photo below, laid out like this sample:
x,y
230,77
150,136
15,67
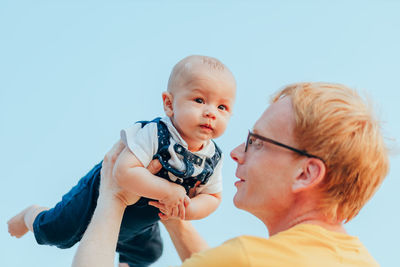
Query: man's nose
x,y
237,154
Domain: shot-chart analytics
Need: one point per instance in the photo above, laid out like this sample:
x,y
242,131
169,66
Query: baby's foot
x,y
16,225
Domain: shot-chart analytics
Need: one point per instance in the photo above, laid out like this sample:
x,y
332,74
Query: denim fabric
x,y
139,242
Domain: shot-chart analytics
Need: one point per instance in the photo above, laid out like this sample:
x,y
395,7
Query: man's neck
x,y
315,218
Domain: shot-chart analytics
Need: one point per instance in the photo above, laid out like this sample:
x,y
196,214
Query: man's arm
x,y
98,244
185,237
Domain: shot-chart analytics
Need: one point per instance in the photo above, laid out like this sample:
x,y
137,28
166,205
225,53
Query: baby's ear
x,y
167,102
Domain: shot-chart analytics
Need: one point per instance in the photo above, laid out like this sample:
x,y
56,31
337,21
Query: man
x,y
311,162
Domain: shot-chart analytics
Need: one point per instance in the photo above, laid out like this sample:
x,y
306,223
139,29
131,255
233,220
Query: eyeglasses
x,y
250,140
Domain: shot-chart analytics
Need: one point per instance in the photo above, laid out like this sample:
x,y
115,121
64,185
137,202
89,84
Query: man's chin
x,y
236,201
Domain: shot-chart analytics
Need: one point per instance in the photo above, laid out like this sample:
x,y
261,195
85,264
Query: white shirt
x,y
143,143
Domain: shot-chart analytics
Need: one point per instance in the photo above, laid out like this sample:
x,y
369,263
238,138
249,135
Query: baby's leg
x,y
64,224
21,223
140,249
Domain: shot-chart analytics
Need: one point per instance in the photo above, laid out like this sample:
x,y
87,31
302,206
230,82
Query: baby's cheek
x,y
221,128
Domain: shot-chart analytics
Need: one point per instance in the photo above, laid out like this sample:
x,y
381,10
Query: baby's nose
x,y
209,112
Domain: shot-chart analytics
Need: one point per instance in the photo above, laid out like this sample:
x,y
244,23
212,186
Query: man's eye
x,y
199,100
222,107
256,143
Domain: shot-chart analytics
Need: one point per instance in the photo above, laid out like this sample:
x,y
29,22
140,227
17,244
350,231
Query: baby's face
x,y
202,105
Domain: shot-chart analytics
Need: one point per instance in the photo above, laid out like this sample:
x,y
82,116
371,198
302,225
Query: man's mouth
x,y
239,182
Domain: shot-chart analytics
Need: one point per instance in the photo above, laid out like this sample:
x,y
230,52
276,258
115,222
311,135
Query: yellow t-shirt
x,y
303,245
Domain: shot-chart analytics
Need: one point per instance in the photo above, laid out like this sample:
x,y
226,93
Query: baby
x,y
198,104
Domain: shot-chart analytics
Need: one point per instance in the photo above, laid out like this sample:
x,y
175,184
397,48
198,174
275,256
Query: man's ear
x,y
167,102
311,174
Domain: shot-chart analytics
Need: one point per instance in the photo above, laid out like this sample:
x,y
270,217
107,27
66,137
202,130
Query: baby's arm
x,y
202,205
132,176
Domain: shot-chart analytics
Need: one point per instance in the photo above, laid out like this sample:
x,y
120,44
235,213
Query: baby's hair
x,y
185,65
213,63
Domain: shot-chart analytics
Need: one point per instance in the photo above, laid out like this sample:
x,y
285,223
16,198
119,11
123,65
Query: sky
x,y
73,73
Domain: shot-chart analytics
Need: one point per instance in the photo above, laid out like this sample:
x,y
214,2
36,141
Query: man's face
x,y
266,171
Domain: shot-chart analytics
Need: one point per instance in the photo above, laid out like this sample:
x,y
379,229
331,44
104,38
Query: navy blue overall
x,y
139,242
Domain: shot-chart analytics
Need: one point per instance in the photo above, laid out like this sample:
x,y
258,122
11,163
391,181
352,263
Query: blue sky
x,y
73,73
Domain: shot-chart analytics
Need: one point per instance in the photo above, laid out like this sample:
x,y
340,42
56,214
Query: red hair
x,y
334,123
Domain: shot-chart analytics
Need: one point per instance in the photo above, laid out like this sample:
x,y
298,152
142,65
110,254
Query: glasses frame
x,y
269,140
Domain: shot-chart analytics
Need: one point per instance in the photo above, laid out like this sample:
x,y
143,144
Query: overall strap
x,y
209,165
164,156
163,136
192,183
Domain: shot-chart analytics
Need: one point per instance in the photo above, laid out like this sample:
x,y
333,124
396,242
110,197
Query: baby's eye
x,y
199,100
222,107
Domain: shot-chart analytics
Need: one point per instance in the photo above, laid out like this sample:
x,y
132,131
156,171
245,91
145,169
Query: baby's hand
x,y
165,214
174,204
174,197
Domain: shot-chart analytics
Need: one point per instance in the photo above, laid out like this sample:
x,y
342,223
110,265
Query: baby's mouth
x,y
206,126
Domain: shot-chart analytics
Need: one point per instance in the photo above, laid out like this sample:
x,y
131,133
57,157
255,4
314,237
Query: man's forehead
x,y
277,119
